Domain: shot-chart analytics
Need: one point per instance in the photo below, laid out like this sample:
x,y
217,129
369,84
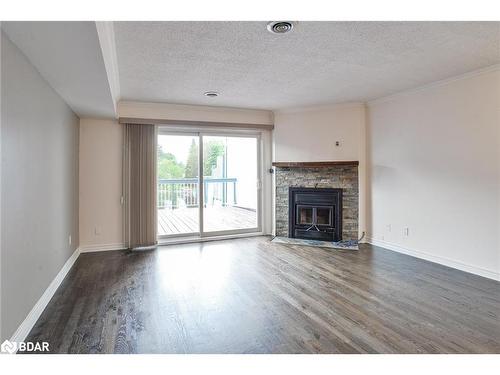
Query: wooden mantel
x,y
314,164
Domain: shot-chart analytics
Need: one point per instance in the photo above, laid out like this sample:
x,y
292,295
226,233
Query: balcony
x,y
178,202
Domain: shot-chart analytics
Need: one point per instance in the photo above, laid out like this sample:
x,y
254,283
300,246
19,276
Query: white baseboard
x,y
25,327
103,247
490,274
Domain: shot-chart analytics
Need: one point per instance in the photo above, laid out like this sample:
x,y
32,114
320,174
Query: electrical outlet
x,y
97,231
389,227
69,239
337,143
406,231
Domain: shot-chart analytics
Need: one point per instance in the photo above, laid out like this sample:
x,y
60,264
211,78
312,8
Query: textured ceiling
x,y
317,63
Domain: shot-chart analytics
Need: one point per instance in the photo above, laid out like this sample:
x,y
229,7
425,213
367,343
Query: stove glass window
x,y
305,215
323,216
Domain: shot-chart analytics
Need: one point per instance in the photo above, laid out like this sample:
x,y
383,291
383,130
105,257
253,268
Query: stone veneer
x,y
344,177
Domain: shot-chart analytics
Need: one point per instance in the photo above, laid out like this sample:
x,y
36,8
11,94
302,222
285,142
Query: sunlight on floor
x,y
195,273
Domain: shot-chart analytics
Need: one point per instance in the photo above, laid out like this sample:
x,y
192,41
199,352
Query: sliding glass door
x,y
178,185
230,182
223,199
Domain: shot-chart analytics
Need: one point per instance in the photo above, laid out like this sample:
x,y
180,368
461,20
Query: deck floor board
x,y
185,220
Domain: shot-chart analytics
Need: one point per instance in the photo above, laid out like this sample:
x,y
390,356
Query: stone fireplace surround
x,y
343,175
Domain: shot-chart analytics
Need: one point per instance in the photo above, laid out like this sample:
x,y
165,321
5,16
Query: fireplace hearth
x,y
315,213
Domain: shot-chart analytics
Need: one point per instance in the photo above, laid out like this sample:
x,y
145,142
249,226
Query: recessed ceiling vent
x,y
211,94
280,27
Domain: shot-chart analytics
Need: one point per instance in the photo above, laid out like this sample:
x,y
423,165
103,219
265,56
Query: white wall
x,y
309,134
100,184
39,189
433,156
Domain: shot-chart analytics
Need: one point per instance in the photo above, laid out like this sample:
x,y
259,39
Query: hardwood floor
x,y
253,296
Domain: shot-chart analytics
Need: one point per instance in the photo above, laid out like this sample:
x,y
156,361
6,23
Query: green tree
x,y
191,169
211,151
168,166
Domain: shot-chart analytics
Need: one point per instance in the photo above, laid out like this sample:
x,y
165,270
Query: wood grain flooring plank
x,y
252,296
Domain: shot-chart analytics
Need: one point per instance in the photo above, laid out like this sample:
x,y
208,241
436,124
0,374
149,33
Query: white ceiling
x,y
317,63
68,55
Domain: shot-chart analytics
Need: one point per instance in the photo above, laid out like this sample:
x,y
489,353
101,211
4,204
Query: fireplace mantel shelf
x,y
314,164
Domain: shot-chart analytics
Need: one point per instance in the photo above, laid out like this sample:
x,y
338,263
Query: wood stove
x,y
315,213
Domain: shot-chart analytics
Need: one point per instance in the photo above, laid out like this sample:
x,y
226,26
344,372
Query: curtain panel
x,y
139,185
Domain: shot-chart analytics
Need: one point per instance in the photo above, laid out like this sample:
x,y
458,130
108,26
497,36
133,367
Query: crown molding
x,y
322,107
439,83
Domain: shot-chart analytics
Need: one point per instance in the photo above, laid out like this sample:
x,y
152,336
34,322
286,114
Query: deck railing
x,y
184,192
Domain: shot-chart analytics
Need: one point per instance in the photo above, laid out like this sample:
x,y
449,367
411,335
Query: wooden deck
x,y
185,220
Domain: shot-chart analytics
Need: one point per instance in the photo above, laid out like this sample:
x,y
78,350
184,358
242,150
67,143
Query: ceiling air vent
x,y
280,27
211,94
